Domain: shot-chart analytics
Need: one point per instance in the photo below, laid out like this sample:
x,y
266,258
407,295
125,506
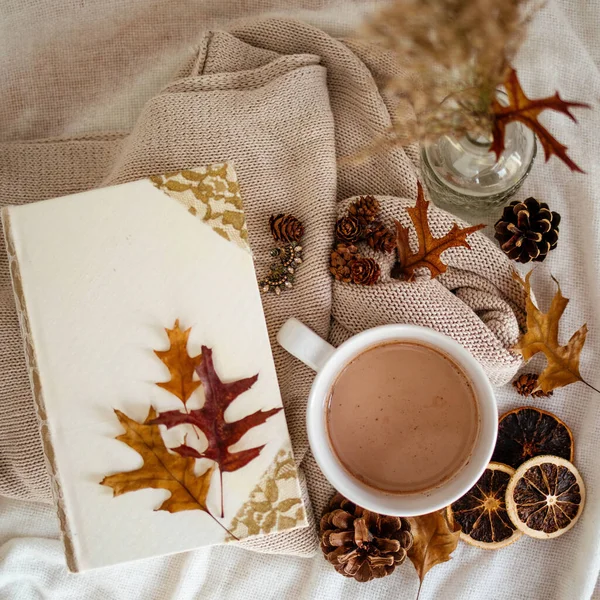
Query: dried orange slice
x,y
545,497
481,512
527,432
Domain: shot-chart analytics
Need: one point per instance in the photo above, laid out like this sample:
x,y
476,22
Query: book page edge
x,y
36,389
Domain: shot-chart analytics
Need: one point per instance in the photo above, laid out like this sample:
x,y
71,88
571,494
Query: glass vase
x,y
463,176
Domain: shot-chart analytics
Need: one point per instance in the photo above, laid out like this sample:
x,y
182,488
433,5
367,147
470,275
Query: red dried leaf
x,y
524,109
211,419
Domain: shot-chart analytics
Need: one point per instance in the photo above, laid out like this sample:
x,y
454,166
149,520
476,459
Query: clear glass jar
x,y
462,174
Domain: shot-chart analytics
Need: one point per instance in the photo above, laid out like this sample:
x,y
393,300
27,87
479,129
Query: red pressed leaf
x,y
210,419
185,450
526,110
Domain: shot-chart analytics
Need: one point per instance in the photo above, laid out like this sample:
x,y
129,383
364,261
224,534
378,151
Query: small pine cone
x,y
341,258
380,238
526,383
365,271
527,230
286,228
360,543
349,229
366,209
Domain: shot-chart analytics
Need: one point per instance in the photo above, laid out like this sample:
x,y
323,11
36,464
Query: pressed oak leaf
x,y
210,419
161,469
527,110
430,248
542,336
180,364
434,541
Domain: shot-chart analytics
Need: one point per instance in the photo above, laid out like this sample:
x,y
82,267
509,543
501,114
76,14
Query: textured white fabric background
x,y
37,54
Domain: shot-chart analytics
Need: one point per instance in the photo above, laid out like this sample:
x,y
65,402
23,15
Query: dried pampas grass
x,y
452,56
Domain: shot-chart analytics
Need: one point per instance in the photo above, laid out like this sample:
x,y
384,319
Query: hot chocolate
x,y
402,417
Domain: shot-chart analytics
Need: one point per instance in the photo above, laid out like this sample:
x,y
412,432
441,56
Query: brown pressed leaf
x,y
180,364
161,469
542,336
430,248
219,433
434,541
526,110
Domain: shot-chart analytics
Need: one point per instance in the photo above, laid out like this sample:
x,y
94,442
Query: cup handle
x,y
304,344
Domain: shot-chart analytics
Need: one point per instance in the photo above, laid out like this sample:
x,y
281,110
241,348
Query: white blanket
x,y
37,54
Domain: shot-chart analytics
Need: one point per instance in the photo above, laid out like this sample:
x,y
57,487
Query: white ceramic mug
x,y
328,361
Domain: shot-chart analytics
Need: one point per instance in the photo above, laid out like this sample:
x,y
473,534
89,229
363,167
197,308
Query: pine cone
x,y
286,228
362,544
341,258
526,383
366,209
380,238
349,229
365,271
527,230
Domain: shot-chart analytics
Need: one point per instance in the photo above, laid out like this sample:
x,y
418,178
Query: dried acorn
x,y
527,230
363,544
286,228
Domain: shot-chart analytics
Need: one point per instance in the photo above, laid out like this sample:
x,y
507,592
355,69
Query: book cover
x,y
151,368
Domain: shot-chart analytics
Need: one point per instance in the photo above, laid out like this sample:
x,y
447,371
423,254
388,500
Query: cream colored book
x,y
151,368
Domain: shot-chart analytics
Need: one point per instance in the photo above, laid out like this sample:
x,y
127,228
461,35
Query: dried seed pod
x,y
366,209
525,385
365,271
527,230
380,238
341,258
349,229
360,543
286,228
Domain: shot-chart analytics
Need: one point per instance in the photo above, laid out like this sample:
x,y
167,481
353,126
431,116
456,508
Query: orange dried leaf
x,y
542,336
526,110
180,364
430,248
161,469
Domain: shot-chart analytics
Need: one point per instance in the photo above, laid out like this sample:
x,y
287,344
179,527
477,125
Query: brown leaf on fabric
x,y
210,419
161,469
542,336
527,110
434,541
430,248
180,364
